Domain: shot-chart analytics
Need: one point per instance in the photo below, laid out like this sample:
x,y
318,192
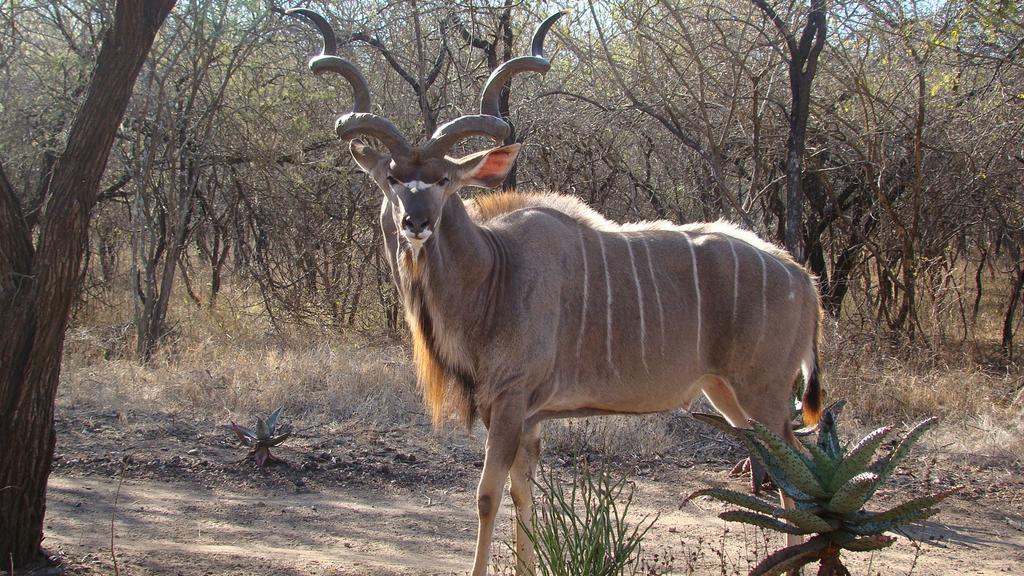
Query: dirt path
x,y
186,528
400,502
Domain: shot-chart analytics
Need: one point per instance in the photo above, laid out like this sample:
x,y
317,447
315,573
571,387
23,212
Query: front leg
x,y
521,489
504,429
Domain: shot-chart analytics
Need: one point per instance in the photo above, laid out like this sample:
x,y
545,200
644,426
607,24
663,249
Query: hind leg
x,y
771,406
723,397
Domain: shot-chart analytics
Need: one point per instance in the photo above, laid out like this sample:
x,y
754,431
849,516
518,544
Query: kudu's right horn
x,y
489,122
360,121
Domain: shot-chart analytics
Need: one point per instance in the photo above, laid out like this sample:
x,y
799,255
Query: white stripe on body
x,y
764,303
608,306
657,293
640,303
735,281
696,288
586,300
789,277
733,325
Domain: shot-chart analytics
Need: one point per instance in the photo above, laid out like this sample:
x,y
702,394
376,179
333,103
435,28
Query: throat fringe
x,y
447,391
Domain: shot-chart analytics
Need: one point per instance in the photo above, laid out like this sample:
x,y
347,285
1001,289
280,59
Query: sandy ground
x,y
401,502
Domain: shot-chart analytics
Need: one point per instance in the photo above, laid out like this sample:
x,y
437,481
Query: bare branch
x,y
435,71
780,25
389,56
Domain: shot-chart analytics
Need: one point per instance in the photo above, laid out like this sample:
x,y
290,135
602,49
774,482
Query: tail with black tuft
x,y
814,396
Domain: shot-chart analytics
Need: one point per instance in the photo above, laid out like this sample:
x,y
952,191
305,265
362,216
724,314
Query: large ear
x,y
488,168
366,157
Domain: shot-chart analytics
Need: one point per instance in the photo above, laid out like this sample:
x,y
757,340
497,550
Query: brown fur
x,y
487,207
446,390
484,208
430,373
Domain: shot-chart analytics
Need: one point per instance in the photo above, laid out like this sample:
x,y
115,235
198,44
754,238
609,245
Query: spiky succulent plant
x,y
830,486
263,437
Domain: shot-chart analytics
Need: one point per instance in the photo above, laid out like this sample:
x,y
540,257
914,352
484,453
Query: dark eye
x,y
442,182
392,180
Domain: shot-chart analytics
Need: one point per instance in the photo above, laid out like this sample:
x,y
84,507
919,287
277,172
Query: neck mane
x,y
487,207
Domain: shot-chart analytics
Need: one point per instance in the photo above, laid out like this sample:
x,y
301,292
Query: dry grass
x,y
231,363
980,407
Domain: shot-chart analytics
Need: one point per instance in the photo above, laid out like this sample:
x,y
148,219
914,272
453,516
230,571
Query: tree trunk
x,y
1010,318
803,65
37,286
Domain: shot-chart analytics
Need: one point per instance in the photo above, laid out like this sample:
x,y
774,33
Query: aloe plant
x,y
263,437
831,486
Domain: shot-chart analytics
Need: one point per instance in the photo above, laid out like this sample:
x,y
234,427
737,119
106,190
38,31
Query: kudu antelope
x,y
526,307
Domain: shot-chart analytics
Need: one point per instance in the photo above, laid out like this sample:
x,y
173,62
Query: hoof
x,y
759,479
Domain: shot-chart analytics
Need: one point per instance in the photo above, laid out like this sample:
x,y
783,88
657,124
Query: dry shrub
x,y
889,382
984,438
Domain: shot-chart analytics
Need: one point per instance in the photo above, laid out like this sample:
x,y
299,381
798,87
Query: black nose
x,y
415,224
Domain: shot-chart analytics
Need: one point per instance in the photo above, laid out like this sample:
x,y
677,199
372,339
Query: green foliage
x,y
830,487
263,437
585,531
